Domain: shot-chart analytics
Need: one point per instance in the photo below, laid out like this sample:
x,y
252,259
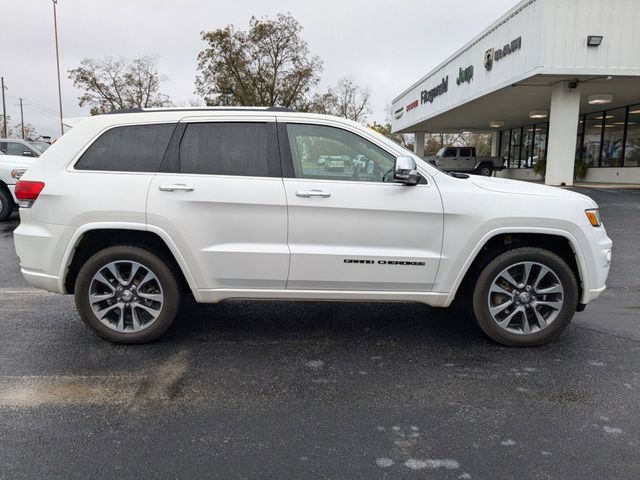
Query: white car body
x,y
255,237
9,163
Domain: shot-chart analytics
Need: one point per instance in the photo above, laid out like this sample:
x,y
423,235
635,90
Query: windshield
x,y
40,146
440,152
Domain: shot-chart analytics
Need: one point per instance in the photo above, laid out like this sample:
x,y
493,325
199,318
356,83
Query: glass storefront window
x,y
579,153
504,143
539,144
632,150
599,142
592,139
527,146
613,137
514,157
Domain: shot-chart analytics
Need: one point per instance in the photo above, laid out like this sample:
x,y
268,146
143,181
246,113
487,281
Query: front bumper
x,y
597,256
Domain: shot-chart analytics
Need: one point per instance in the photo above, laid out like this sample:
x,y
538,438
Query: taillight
x,y
27,192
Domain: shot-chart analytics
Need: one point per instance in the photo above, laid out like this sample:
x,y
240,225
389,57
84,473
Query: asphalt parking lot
x,y
323,390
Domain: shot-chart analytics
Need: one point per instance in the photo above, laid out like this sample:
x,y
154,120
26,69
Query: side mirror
x,y
406,171
27,153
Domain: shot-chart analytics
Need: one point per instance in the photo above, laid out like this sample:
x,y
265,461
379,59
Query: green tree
x,y
385,129
111,84
267,65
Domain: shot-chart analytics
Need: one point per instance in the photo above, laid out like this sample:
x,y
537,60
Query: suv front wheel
x,y
525,297
127,294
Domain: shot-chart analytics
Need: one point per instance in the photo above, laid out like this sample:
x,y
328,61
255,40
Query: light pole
x,y
55,31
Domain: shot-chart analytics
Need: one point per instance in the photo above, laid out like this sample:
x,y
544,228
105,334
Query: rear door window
x,y
16,148
131,148
230,148
465,152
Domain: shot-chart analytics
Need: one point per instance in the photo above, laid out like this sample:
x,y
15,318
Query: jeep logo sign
x,y
465,75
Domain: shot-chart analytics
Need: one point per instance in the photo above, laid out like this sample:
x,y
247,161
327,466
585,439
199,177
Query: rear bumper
x,y
41,248
41,280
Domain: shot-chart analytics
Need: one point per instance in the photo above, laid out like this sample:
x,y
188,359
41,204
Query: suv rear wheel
x,y
485,170
525,297
127,294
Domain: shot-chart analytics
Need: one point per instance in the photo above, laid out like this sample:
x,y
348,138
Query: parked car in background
x,y
22,148
335,163
12,167
131,211
463,159
40,146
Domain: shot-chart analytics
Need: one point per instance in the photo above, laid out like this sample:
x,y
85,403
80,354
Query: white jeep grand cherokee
x,y
129,211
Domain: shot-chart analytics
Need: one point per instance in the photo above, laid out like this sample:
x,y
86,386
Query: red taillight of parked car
x,y
27,192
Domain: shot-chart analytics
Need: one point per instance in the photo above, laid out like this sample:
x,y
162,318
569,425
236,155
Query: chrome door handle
x,y
180,187
312,193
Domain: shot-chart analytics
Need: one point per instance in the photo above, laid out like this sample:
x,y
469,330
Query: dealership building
x,y
552,80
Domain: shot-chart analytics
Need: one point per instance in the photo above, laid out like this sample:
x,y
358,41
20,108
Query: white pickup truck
x,y
11,168
463,159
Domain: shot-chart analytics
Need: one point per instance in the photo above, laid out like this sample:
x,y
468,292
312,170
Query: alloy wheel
x,y
525,298
126,296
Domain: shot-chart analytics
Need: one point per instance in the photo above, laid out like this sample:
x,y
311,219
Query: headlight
x,y
16,173
593,214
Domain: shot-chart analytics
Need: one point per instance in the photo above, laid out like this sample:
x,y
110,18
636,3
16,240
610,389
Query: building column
x,y
563,130
495,137
418,144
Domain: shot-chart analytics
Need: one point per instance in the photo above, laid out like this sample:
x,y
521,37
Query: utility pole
x,y
55,30
4,110
21,118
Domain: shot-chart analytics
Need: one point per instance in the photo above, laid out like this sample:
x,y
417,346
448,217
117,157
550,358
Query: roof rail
x,y
201,109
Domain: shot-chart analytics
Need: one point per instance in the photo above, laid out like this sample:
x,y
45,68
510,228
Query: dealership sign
x,y
465,75
430,95
492,55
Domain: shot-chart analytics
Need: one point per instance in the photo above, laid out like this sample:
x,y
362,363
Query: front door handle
x,y
178,187
312,193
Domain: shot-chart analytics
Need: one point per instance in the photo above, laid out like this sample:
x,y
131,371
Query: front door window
x,y
329,153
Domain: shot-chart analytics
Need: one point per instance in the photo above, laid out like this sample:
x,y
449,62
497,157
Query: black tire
x,y
538,336
485,170
165,278
6,204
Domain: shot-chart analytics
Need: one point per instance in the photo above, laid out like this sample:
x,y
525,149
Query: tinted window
x,y
335,154
465,152
218,148
134,148
450,152
15,148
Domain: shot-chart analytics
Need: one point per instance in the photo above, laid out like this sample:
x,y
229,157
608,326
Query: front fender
x,y
451,282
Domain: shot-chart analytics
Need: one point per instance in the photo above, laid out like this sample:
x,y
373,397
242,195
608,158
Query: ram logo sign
x,y
488,59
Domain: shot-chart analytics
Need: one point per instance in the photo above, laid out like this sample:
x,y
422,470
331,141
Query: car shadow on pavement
x,y
298,320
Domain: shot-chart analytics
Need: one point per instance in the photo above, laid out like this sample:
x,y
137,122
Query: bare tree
x,y
111,84
346,99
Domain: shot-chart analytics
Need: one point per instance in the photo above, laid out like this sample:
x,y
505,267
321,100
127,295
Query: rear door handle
x,y
178,187
312,193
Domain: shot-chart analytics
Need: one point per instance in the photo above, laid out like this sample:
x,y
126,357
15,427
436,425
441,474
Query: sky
x,y
384,45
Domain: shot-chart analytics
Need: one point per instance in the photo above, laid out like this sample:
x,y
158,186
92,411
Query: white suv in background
x,y
129,211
